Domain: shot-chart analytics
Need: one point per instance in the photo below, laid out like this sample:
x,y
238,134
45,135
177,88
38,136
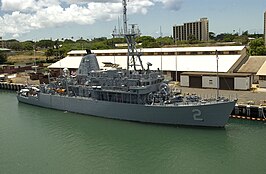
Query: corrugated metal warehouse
x,y
252,66
262,76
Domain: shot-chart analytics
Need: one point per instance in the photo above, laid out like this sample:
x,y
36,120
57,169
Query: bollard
x,y
261,112
248,110
236,109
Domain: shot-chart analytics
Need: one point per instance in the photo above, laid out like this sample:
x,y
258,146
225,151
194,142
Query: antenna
x,y
161,33
119,27
130,36
125,16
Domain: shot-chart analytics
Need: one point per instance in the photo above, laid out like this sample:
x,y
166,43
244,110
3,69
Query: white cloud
x,y
27,5
173,5
22,16
87,1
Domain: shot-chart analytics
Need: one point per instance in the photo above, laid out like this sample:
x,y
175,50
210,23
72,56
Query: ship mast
x,y
130,35
125,15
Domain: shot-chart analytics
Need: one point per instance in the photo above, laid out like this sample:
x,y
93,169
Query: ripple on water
x,y
39,140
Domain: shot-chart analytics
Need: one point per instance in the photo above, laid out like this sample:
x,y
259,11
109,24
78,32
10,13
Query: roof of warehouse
x,y
262,70
205,63
5,49
77,52
178,49
253,64
67,62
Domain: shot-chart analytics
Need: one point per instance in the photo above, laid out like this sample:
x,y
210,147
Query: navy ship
x,y
133,94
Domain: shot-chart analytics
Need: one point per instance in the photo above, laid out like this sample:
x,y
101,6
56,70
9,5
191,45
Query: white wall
x,y
209,82
242,83
184,63
184,80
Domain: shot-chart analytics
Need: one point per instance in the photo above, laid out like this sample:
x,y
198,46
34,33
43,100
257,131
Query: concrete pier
x,y
249,112
11,86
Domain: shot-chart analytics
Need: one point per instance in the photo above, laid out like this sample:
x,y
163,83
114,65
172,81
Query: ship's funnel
x,y
88,63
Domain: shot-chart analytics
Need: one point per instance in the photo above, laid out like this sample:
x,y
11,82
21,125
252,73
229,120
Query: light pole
x,y
176,65
217,73
34,53
161,58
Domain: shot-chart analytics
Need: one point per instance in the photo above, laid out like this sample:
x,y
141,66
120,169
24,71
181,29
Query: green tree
x,y
99,39
243,40
147,41
3,58
99,46
45,44
257,47
68,41
165,41
226,37
192,39
245,33
49,53
229,37
28,45
212,35
14,45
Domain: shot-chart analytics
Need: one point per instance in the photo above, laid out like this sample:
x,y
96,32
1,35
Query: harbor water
x,y
39,140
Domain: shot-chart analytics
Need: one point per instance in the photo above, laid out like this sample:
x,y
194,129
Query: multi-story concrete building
x,y
265,28
199,30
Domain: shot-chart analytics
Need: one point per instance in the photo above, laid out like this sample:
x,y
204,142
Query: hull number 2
x,y
196,113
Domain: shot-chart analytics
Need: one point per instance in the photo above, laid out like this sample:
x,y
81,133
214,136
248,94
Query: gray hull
x,y
214,115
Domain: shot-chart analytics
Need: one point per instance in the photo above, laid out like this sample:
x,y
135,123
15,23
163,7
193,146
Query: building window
x,y
181,53
171,53
232,52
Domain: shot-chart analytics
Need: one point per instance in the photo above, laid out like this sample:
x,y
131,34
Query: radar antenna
x,y
130,36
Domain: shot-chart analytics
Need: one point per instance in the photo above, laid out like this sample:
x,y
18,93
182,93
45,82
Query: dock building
x,y
182,63
262,76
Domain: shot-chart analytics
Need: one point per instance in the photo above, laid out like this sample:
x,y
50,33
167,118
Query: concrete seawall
x,y
11,86
249,112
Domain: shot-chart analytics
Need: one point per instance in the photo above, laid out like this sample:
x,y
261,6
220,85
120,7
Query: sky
x,y
56,19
